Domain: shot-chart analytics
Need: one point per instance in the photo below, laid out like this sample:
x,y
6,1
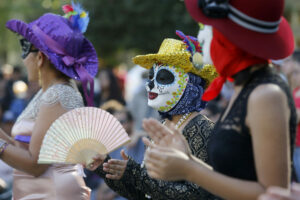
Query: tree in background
x,y
119,29
116,26
119,25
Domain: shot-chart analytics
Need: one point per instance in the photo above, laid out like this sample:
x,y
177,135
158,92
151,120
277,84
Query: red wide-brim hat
x,y
277,45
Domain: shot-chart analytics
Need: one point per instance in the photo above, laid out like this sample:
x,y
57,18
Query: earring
x,y
39,76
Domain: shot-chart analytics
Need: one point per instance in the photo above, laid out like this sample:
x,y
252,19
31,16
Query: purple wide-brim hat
x,y
65,47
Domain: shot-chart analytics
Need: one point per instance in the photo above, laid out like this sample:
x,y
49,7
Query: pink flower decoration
x,y
67,8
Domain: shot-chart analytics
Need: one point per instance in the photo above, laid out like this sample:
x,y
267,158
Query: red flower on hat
x,y
67,8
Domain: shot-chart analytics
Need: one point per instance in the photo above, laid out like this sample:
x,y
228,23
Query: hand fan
x,y
78,135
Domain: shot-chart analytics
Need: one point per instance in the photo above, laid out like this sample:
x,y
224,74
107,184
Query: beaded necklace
x,y
182,119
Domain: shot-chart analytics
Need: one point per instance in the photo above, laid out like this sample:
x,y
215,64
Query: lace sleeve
x,y
67,96
136,184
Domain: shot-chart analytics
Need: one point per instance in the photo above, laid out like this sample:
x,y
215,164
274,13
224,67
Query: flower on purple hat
x,y
78,17
67,8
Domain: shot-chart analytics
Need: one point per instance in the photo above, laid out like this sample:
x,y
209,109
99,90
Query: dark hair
x,y
114,87
244,76
59,73
213,107
17,69
129,116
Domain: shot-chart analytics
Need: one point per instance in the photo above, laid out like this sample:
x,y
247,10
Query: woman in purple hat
x,y
251,145
54,51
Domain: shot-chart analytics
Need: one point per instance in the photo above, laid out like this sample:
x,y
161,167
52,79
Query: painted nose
x,y
151,84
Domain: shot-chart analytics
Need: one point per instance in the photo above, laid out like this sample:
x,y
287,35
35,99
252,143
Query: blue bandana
x,y
190,100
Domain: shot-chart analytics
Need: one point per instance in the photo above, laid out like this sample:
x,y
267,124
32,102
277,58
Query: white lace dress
x,y
59,181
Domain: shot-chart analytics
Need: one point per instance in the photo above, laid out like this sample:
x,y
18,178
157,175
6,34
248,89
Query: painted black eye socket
x,y
164,77
151,73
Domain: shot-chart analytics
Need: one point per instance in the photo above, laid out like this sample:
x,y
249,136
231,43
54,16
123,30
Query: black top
x,y
136,183
230,148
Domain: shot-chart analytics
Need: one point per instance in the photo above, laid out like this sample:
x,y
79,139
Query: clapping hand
x,y
97,161
277,193
167,156
165,137
116,168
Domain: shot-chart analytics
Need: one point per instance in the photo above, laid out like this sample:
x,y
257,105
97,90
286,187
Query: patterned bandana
x,y
191,99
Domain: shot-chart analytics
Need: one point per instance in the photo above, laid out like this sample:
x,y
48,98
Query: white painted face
x,y
204,37
165,86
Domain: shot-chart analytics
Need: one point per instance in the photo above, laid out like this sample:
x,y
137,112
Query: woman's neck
x,y
175,118
49,78
181,120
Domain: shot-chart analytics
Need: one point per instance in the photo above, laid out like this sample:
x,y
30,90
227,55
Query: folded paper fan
x,y
80,134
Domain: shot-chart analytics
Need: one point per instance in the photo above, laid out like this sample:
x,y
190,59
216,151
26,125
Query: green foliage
x,y
118,25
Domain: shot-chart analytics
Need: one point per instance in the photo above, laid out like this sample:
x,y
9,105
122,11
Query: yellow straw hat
x,y
174,52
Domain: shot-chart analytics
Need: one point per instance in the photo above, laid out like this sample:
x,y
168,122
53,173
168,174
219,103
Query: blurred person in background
x,y
112,106
91,179
5,191
281,65
135,150
295,87
11,75
19,101
138,105
7,71
8,121
2,87
212,110
109,88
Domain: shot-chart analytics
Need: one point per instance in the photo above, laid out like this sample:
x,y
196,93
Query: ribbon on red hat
x,y
228,60
70,61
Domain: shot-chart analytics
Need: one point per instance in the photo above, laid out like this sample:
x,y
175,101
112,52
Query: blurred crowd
x,y
122,93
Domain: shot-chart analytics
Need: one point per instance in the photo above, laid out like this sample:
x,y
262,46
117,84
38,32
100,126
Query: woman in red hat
x,y
251,145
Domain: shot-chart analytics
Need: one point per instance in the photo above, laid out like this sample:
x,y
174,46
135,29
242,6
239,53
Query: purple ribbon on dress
x,y
70,61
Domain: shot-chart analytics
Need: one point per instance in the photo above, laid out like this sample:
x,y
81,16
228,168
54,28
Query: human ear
x,y
40,57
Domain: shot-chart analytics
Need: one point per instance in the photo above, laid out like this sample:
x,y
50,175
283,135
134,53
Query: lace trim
x,y
67,96
30,112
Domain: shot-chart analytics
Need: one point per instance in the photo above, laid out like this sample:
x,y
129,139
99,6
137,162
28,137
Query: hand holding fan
x,y
80,134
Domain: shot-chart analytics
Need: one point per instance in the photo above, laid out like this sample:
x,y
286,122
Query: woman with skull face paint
x,y
177,80
251,145
54,51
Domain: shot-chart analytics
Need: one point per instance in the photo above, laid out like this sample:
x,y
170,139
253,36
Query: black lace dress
x,y
230,147
136,184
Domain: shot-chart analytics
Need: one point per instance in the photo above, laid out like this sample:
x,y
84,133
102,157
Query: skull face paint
x,y
165,86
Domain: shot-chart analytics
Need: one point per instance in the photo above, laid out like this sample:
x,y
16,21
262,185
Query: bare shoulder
x,y
267,109
267,95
